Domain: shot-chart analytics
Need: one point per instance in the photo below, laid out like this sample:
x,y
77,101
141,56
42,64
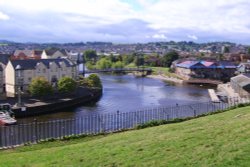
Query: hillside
x,y
216,140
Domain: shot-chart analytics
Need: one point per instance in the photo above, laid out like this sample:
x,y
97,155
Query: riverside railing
x,y
36,131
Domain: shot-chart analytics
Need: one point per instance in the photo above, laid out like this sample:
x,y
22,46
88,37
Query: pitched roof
x,y
4,58
190,64
50,52
206,64
38,52
28,53
32,63
21,52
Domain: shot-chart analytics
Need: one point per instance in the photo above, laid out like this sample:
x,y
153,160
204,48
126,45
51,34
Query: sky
x,y
125,21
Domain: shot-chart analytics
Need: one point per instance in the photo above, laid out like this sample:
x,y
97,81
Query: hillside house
x,y
26,54
54,54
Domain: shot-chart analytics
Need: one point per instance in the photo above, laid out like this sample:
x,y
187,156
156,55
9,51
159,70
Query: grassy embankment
x,y
215,140
165,71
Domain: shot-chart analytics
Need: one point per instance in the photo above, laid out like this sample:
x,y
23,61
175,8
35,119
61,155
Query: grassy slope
x,y
217,140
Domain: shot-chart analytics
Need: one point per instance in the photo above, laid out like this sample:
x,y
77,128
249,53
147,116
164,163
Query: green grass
x,y
216,140
164,71
157,70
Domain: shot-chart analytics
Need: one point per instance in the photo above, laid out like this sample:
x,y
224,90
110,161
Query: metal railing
x,y
36,131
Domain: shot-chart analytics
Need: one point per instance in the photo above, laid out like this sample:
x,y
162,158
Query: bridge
x,y
145,71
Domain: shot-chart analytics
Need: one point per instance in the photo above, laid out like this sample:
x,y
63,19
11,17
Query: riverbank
x,y
166,78
35,106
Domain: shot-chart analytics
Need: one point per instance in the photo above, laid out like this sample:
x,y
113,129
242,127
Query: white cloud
x,y
159,36
109,11
193,37
164,19
4,16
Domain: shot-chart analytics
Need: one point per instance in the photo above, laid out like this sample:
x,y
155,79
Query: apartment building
x,y
51,69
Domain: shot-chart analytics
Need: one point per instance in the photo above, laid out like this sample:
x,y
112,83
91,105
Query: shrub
x,y
40,87
66,85
94,81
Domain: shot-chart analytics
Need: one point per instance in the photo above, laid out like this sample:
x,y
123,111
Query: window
x,y
44,70
29,79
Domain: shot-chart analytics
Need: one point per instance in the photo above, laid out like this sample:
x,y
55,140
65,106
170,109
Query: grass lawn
x,y
157,70
217,140
164,71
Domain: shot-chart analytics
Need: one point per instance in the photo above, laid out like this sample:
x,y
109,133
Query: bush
x,y
66,85
40,87
94,80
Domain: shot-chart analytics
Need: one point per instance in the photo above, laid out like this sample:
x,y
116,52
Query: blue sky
x,y
125,21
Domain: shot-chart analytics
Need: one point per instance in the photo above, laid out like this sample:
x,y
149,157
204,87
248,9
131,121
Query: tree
x,y
248,51
66,85
169,58
90,65
103,63
40,87
90,55
139,59
226,49
94,80
118,64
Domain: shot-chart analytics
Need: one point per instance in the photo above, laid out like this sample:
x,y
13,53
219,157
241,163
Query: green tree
x,y
66,84
90,55
169,58
90,65
248,51
103,63
226,49
40,87
118,64
94,80
138,59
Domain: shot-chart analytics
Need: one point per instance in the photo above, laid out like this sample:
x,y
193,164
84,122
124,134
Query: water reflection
x,y
128,93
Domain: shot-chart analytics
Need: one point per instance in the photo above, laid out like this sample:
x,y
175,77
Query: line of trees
x,y
93,61
41,87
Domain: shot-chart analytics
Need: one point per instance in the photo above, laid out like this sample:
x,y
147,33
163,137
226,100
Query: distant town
x,y
205,63
184,48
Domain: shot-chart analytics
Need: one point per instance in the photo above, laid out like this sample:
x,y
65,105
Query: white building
x,y
51,69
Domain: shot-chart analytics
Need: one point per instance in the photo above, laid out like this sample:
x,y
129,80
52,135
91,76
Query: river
x,y
129,93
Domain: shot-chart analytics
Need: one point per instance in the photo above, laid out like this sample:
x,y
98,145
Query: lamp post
x,y
19,81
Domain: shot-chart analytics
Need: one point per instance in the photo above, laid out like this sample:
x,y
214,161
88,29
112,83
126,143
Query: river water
x,y
129,93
